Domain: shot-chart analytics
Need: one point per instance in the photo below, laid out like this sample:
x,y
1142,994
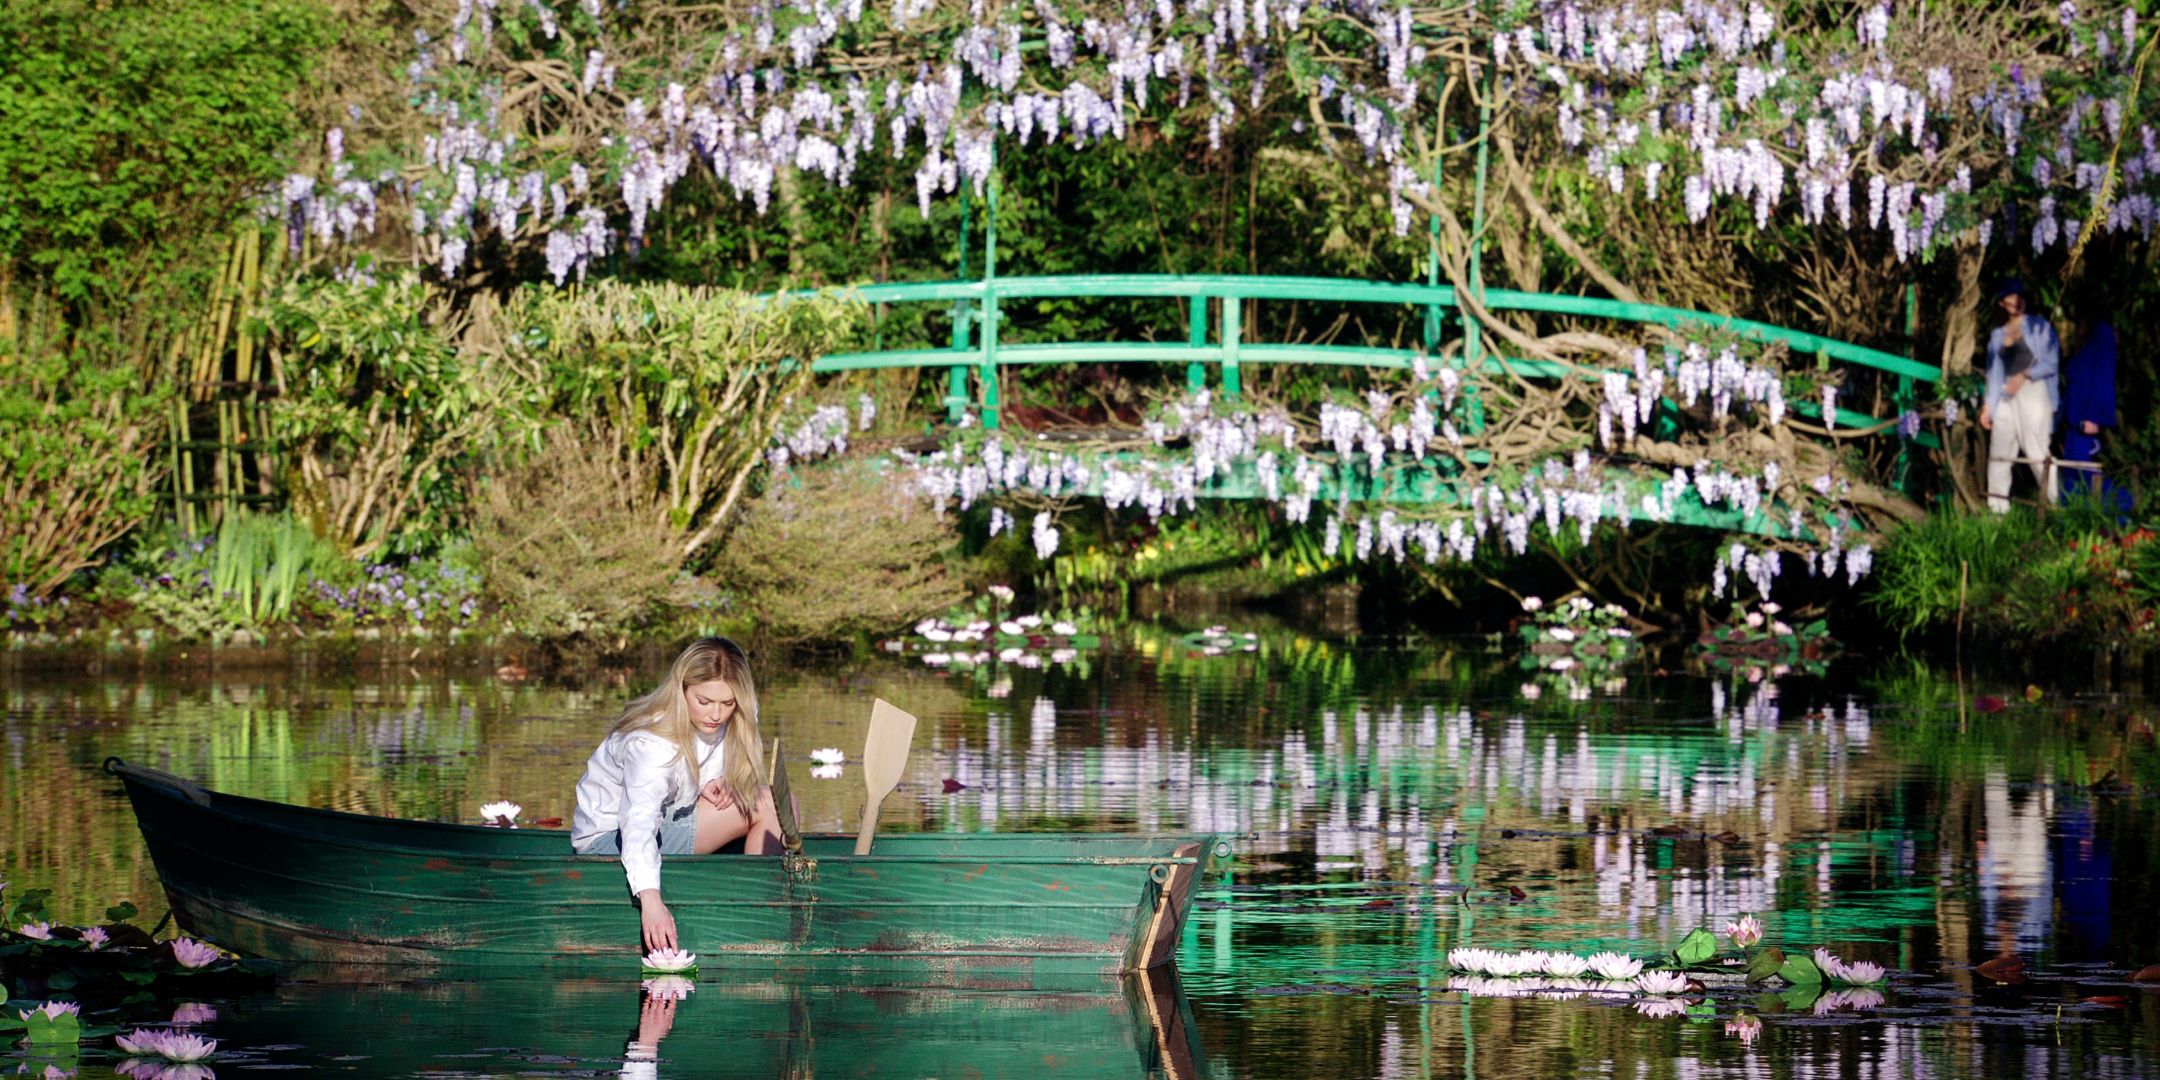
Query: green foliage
x,y
1696,948
130,133
570,543
833,551
1799,969
78,458
1766,962
2072,572
258,564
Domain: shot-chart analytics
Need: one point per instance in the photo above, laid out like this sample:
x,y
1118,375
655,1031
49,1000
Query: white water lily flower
x,y
1012,627
670,960
937,659
937,633
1565,965
1532,603
1003,593
1615,966
1561,633
1029,622
668,987
825,772
1661,982
1011,654
1830,964
1524,962
1471,961
1848,999
828,755
1487,986
1531,691
1661,1008
925,626
1863,973
1064,656
503,813
1063,629
144,1041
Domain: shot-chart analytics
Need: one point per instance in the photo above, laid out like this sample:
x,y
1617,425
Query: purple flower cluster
x,y
402,595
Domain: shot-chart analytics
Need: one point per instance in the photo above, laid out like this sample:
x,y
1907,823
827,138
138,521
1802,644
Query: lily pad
x,y
62,1030
1765,964
1696,948
1799,969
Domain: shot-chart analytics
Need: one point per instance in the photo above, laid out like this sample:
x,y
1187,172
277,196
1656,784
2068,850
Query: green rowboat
x,y
293,883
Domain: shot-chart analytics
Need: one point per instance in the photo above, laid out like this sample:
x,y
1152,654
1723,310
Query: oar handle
x,y
869,826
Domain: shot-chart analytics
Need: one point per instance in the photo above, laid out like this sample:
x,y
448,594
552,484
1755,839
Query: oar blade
x,y
784,803
885,754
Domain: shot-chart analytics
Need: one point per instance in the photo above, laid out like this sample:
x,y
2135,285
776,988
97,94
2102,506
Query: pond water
x,y
1392,801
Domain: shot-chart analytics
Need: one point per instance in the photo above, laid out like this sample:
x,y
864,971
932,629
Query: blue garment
x,y
678,836
2046,366
2089,381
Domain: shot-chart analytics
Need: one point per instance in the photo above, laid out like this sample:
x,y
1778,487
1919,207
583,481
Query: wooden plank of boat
x,y
295,883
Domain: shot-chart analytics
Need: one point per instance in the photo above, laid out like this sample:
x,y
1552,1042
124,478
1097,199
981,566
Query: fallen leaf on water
x,y
1515,893
2003,969
548,823
2033,693
2148,973
1989,703
952,785
2112,1001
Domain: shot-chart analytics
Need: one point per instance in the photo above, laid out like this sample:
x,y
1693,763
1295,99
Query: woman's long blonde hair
x,y
666,711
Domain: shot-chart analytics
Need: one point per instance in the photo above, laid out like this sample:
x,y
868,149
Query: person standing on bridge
x,y
2018,409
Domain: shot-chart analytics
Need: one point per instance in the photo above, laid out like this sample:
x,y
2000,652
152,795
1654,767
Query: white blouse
x,y
633,781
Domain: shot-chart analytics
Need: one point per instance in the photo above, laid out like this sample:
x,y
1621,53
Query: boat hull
x,y
291,883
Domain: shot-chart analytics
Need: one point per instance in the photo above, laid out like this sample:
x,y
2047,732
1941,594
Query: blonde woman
x,y
673,776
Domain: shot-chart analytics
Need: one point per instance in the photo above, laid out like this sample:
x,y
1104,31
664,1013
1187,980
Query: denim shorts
x,y
678,835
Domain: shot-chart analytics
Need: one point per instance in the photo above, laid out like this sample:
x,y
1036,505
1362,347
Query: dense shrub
x,y
2019,575
836,550
570,543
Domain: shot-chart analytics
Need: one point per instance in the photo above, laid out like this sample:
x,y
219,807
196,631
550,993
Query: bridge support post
x,y
1233,315
1196,334
990,395
956,378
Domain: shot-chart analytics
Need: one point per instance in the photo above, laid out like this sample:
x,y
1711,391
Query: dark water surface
x,y
1394,802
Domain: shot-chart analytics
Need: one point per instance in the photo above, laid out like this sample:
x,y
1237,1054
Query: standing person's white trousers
x,y
2023,425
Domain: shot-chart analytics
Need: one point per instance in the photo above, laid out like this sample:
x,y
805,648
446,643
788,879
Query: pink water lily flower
x,y
1747,931
95,937
143,1041
193,1012
53,1010
185,1048
193,954
37,930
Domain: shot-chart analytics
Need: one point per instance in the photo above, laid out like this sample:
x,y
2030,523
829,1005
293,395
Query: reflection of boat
x,y
299,884
795,1025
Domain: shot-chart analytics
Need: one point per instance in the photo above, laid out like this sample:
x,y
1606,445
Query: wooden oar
x,y
784,803
884,758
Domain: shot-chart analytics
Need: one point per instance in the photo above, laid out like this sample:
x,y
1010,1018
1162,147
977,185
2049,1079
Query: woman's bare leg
x,y
764,836
718,828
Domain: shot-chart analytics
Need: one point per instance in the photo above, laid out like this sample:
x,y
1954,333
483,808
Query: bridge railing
x,y
1219,343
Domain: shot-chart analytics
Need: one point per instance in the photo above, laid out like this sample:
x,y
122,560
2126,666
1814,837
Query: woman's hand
x,y
2089,428
1987,419
717,793
659,922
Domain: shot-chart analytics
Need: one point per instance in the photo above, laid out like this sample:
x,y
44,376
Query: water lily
x,y
825,772
1747,1027
1532,604
52,1010
95,937
183,1047
1745,932
1471,961
142,1069
193,954
1661,982
1487,986
1754,620
1531,691
143,1041
1029,622
924,627
503,814
828,755
937,659
1565,965
1861,998
668,987
1855,973
938,633
1561,633
193,1012
1002,593
671,960
1661,1008
38,930
1614,966
1011,627
1063,629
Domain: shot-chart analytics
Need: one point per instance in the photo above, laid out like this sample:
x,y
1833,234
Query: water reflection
x,y
1394,802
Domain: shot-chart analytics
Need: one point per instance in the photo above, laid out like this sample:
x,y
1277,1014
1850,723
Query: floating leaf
x,y
1799,969
1800,998
1702,1012
2003,969
2148,973
1765,964
43,1029
121,912
2033,693
1696,948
